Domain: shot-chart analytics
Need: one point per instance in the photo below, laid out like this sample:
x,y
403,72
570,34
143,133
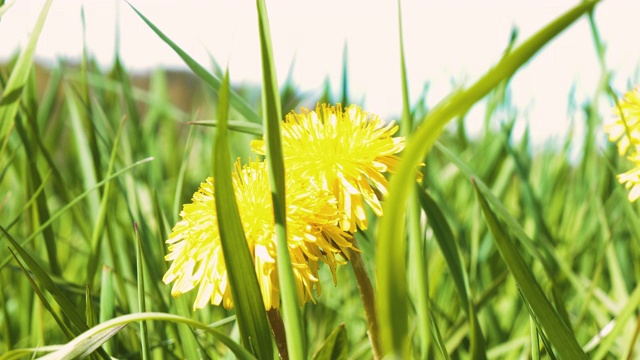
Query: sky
x,y
446,43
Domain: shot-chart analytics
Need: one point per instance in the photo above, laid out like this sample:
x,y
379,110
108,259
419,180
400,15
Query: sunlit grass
x,y
510,253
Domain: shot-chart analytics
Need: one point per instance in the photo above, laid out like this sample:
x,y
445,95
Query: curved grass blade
x,y
234,99
247,298
272,110
557,331
101,333
10,100
390,252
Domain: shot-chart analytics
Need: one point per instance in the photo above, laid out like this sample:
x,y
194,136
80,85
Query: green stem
x,y
368,300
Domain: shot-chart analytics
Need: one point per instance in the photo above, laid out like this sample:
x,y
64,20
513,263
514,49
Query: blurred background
x,y
447,44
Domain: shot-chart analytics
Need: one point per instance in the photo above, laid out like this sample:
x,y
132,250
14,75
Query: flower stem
x,y
368,300
277,327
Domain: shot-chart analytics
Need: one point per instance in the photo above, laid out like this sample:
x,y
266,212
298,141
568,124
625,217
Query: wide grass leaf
x,y
247,298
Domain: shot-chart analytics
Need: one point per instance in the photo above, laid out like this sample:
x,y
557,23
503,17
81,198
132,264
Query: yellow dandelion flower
x,y
631,178
344,151
313,237
626,127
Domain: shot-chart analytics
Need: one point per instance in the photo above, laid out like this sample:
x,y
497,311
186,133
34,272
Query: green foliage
x,y
510,253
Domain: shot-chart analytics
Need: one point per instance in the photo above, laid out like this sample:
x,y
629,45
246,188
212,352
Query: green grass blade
x,y
100,333
107,301
345,76
247,298
10,101
41,201
47,305
452,256
417,258
390,252
41,275
234,99
272,111
99,226
72,203
554,326
5,7
67,307
142,306
627,313
181,172
335,346
234,125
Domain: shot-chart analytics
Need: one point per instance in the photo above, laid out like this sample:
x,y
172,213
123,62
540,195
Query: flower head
x,y
631,178
313,237
344,152
625,129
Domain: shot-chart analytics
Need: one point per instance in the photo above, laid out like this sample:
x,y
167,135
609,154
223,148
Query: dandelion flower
x,y
631,179
313,236
626,127
343,151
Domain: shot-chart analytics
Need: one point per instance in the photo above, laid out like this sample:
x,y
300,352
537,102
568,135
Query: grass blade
x,y
245,289
452,255
5,7
234,99
390,252
71,204
556,329
272,110
17,80
98,229
142,307
100,333
235,125
335,346
417,258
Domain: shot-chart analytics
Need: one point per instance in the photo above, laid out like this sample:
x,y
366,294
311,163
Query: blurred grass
x,y
72,185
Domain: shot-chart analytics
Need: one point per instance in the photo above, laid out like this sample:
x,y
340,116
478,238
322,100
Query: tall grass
x,y
508,253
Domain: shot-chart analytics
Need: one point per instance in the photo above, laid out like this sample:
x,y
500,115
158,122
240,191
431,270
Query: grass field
x,y
500,252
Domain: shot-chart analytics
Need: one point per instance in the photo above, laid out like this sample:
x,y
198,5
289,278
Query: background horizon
x,y
446,44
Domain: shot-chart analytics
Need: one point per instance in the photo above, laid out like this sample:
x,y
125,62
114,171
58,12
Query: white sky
x,y
445,41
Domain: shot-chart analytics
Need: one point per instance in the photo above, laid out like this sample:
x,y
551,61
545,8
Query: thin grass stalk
x,y
142,306
272,110
418,255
